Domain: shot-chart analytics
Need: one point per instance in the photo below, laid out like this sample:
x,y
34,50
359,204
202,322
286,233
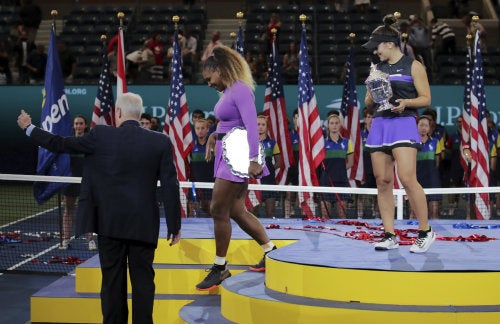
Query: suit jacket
x,y
121,169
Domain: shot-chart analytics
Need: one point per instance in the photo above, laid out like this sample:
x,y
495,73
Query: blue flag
x,y
55,119
240,48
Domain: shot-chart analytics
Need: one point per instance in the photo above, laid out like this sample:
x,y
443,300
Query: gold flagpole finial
x,y
397,15
303,19
404,37
176,19
274,31
232,35
103,38
351,37
121,16
468,38
240,16
53,13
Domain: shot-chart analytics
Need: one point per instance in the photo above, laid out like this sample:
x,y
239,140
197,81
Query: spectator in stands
x,y
406,48
112,57
494,143
251,63
293,171
394,138
456,173
189,46
338,158
145,121
68,61
214,42
273,161
472,27
157,47
197,114
262,69
36,64
5,72
72,191
428,164
140,62
22,48
31,17
226,71
420,39
291,63
156,124
202,170
361,6
370,182
212,123
274,23
444,31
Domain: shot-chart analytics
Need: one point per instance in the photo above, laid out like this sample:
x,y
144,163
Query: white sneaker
x,y
422,244
64,245
92,246
389,242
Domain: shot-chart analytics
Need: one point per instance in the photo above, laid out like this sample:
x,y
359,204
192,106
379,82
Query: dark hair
x,y
368,111
87,128
333,112
146,116
199,112
387,29
430,112
231,66
295,112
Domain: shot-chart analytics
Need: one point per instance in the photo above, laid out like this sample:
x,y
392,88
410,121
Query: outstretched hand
x,y
174,238
23,120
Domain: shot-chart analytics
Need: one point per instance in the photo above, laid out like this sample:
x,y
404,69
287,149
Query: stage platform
x,y
322,272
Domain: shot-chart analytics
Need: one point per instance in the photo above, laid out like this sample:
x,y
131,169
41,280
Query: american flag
x,y
121,81
466,109
239,42
254,197
479,176
275,109
104,104
311,149
177,125
350,112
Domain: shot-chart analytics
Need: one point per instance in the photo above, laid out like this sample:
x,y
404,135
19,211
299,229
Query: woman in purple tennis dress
x,y
227,72
394,137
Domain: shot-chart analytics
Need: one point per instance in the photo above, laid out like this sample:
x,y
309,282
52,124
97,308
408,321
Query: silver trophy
x,y
380,88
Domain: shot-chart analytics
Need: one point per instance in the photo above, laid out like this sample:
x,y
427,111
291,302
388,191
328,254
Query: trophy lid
x,y
376,74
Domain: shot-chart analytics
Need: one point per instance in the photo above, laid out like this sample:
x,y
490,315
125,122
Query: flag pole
x,y
233,40
54,13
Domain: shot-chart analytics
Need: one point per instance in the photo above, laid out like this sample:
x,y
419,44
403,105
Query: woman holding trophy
x,y
239,156
397,86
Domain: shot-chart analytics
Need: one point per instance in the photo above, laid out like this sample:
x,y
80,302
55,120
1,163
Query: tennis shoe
x,y
216,275
261,266
424,241
92,246
388,242
64,245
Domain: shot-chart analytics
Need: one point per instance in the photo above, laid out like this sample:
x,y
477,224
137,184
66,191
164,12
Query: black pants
x,y
113,255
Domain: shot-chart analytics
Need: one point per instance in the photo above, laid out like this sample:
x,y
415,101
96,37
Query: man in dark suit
x,y
118,202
